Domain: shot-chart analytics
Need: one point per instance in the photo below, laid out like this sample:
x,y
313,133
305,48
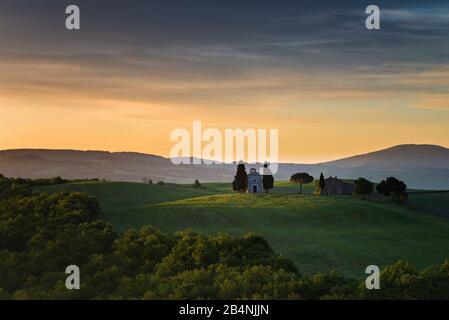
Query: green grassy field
x,y
317,233
123,195
438,200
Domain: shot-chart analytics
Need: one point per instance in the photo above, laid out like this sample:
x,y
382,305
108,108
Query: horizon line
x,y
222,162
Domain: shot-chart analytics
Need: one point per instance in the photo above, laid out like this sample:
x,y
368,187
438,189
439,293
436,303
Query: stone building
x,y
255,184
337,186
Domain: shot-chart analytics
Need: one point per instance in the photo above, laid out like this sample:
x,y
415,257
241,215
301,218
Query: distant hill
x,y
114,166
402,156
420,166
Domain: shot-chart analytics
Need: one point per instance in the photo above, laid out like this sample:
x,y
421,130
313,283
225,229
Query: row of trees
x,y
148,180
362,187
387,187
390,186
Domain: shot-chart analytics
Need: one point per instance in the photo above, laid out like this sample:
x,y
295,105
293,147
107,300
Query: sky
x,y
137,70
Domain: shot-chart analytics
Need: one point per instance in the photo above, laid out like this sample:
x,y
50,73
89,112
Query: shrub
x,y
197,184
363,187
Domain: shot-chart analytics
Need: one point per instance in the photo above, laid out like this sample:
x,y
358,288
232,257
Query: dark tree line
x,y
390,186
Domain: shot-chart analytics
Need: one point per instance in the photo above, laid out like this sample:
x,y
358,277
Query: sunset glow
x,y
331,91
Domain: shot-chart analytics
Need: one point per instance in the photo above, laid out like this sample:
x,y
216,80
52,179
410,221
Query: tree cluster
x,y
393,187
363,187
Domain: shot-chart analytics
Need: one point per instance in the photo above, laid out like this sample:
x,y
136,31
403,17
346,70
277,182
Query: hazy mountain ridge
x,y
420,166
426,156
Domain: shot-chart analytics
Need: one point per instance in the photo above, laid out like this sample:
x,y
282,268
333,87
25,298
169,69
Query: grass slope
x,y
317,233
437,200
119,195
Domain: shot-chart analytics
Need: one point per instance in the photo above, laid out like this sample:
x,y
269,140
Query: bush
x,y
363,187
197,184
390,186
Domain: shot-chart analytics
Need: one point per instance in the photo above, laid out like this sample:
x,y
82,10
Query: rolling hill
x,y
317,233
420,166
404,156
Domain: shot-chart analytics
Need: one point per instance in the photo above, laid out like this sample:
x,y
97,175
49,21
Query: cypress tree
x,y
322,182
240,183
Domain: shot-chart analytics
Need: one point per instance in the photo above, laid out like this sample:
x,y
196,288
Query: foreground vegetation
x,y
41,234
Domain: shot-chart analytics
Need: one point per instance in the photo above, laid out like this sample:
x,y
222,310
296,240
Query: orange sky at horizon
x,y
142,127
332,90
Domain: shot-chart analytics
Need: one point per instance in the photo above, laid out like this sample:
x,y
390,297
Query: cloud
x,y
300,64
433,102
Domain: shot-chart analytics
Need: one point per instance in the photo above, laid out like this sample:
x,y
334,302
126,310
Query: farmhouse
x,y
254,181
337,186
